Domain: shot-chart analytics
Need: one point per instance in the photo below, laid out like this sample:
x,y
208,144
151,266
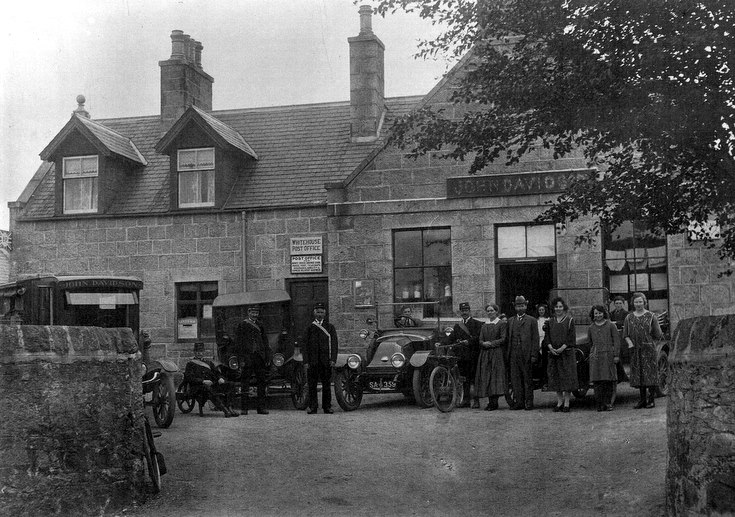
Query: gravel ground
x,y
391,458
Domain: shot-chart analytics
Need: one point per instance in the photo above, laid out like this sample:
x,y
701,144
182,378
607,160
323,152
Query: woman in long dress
x,y
560,340
604,340
490,376
640,329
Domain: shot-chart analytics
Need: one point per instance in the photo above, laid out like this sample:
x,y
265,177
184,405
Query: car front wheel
x,y
347,390
164,401
422,387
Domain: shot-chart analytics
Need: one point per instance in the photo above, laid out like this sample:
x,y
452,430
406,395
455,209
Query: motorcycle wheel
x,y
164,401
662,361
151,457
183,399
421,387
299,388
347,390
444,389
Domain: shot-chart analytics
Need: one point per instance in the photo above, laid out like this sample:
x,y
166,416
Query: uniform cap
x,y
520,300
319,306
464,305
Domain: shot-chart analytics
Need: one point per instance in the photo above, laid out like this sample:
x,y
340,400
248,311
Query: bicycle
x,y
155,463
445,382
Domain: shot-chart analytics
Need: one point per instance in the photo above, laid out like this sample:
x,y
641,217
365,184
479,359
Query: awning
x,y
101,299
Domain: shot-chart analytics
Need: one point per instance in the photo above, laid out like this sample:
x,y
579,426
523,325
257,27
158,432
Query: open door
x,y
304,294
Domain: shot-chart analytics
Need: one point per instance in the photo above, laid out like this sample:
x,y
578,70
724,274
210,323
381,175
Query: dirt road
x,y
391,458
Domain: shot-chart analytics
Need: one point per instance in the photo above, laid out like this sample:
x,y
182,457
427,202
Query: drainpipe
x,y
244,251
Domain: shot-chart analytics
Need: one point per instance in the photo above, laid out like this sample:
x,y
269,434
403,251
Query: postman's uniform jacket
x,y
468,330
252,348
319,348
523,340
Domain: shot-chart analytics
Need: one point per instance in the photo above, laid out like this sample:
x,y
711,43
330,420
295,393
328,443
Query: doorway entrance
x,y
304,294
532,280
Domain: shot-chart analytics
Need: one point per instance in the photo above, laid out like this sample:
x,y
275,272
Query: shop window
x,y
635,260
196,177
526,241
194,310
79,176
422,268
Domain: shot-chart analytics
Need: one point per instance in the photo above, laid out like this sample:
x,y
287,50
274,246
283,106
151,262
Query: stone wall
x,y
71,437
165,250
700,478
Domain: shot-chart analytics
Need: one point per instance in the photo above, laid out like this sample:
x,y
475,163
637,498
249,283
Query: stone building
x,y
310,199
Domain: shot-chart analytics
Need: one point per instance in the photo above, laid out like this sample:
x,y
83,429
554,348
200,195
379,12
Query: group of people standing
x,y
507,349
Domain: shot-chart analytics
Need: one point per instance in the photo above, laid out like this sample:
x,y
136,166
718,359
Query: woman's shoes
x,y
608,407
557,409
641,404
565,409
650,404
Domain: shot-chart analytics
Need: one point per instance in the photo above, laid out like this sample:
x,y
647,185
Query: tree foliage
x,y
643,88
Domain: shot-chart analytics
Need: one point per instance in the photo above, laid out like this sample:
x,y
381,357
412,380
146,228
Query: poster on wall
x,y
364,293
306,264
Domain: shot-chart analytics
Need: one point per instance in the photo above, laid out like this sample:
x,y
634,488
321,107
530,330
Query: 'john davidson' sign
x,y
513,184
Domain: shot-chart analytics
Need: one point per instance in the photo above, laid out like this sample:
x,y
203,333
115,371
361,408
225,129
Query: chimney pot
x,y
188,54
177,44
198,47
366,19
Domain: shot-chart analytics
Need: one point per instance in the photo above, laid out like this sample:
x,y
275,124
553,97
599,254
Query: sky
x,y
260,53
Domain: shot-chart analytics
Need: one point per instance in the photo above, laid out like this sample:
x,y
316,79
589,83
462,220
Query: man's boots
x,y
244,403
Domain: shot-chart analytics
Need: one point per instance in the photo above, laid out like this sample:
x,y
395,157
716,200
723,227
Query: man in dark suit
x,y
251,345
206,383
523,340
319,347
468,330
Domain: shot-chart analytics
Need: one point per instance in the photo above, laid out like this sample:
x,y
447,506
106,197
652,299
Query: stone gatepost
x,y
700,477
71,437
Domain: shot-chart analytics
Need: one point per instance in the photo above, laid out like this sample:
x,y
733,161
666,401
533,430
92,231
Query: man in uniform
x,y
617,316
252,347
320,354
523,340
206,383
468,330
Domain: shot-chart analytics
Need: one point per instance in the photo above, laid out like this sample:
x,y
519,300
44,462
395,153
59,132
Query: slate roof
x,y
105,138
299,149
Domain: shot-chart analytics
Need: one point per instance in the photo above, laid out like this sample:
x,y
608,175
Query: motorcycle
x,y
158,385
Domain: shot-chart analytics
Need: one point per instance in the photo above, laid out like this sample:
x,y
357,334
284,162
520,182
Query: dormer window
x,y
80,184
196,177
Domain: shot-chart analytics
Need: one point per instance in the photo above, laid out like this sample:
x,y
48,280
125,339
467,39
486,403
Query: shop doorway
x,y
532,280
304,294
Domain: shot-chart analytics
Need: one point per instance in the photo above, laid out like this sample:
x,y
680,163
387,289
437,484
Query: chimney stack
x,y
183,81
367,86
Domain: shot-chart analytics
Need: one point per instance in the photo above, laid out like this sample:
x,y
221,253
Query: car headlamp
x,y
233,363
353,361
398,360
448,331
278,360
144,369
364,333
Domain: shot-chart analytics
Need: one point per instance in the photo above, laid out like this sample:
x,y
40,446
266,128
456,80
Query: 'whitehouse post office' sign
x,y
306,254
514,184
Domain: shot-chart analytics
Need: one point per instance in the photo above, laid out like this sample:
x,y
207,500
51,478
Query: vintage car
x,y
394,360
287,373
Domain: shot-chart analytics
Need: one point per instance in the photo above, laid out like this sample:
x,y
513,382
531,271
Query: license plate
x,y
382,385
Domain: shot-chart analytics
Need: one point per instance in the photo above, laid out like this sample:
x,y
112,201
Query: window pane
x,y
409,286
511,241
207,186
541,241
72,166
205,159
209,292
407,248
89,165
188,188
187,160
437,248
